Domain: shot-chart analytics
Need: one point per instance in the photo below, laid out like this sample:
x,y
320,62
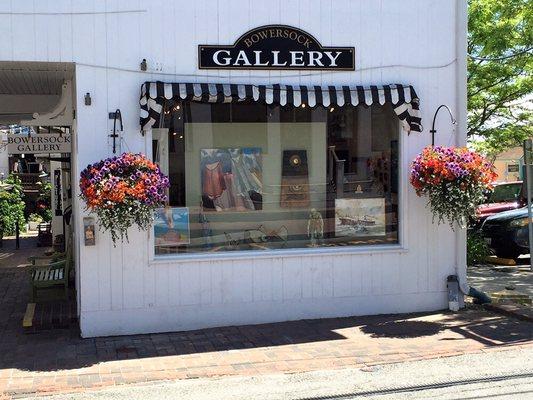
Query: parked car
x,y
507,233
504,197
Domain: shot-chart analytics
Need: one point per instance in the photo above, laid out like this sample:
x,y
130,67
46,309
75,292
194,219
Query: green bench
x,y
46,272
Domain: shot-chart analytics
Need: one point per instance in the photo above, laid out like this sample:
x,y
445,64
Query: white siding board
x,y
276,267
149,287
41,32
390,265
342,276
295,275
162,295
262,281
226,282
242,282
190,289
6,31
366,265
205,284
376,275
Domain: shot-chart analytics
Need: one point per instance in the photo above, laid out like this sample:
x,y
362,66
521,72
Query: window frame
x,y
400,247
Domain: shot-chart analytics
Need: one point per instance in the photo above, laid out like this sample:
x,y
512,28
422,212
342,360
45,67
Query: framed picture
x,y
360,217
231,179
171,227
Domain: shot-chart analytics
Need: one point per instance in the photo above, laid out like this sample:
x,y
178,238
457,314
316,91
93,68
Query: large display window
x,y
251,176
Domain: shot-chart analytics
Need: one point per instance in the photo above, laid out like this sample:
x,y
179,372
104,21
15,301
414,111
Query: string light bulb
x,y
332,109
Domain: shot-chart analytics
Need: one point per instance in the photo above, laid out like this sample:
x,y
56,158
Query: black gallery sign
x,y
276,47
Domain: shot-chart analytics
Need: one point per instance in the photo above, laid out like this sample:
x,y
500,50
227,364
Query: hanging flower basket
x,y
123,191
454,179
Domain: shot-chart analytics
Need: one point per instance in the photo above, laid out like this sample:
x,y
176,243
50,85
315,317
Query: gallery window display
x,y
250,176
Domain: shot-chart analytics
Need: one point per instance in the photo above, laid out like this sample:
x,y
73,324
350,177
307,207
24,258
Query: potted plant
x,y
123,191
33,221
454,179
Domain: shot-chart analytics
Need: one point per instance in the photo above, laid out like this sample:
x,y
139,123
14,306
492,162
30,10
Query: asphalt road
x,y
506,374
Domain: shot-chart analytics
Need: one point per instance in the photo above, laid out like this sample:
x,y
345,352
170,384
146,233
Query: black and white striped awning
x,y
403,98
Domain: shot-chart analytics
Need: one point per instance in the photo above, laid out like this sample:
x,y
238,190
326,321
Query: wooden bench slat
x,y
40,274
48,275
52,274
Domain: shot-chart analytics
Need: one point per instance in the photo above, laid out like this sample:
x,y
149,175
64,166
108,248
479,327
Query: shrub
x,y
477,250
11,206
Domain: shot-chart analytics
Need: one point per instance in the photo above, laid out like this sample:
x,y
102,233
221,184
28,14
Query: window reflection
x,y
248,176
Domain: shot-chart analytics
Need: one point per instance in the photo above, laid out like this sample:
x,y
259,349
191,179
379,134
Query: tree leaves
x,y
500,112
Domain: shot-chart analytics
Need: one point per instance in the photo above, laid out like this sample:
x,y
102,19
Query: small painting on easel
x,y
360,217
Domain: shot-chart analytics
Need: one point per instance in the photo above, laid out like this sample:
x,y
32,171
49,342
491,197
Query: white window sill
x,y
270,254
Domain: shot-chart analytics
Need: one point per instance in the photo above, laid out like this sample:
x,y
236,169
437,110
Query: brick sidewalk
x,y
59,360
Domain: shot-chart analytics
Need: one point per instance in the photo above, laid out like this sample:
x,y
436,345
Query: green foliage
x,y
477,249
499,91
11,207
44,201
35,218
46,214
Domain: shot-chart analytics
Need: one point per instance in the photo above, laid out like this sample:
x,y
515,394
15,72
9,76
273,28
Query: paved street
x,y
502,375
494,278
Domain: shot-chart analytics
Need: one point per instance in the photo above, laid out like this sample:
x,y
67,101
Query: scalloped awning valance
x,y
403,98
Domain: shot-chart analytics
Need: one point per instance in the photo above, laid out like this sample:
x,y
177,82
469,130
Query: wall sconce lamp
x,y
114,116
144,65
88,99
433,130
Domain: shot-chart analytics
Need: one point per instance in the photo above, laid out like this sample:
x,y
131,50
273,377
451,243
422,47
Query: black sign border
x,y
265,68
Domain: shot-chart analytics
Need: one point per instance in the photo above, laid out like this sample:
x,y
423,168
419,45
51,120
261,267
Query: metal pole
x,y
17,235
528,161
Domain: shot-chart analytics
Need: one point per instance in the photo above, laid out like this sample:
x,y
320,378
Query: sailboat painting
x,y
360,217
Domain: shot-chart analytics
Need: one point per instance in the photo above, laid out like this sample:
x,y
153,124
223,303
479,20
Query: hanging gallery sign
x,y
276,47
39,143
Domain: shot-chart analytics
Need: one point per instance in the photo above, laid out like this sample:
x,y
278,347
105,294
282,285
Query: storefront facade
x,y
287,131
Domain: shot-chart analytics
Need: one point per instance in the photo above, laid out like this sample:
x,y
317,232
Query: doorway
x,y
37,126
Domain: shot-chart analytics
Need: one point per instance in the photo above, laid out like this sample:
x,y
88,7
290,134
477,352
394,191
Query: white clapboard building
x,y
286,129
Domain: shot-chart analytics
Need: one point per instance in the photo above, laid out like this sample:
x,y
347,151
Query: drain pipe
x,y
461,11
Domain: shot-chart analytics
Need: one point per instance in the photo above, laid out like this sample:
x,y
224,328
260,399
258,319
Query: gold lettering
x,y
248,42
